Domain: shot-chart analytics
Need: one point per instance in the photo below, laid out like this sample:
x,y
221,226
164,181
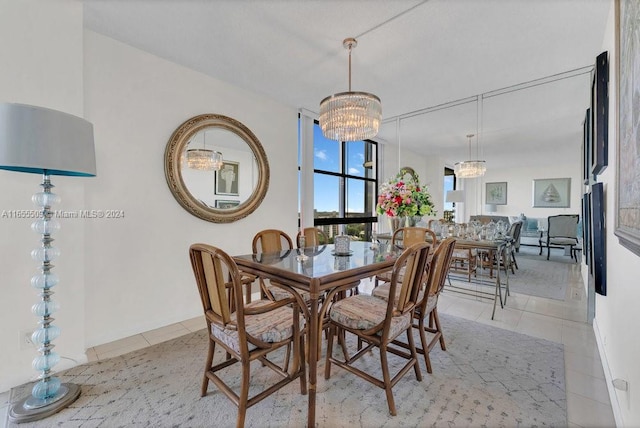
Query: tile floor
x,y
588,403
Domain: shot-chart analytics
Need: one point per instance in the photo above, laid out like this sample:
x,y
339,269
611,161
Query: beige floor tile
x,y
194,324
165,333
586,412
517,301
583,364
588,386
92,355
540,326
505,318
465,308
576,337
119,347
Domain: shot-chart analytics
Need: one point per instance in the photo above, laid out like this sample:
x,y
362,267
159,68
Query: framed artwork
x,y
226,180
600,115
586,148
496,193
598,235
586,230
627,210
552,193
226,204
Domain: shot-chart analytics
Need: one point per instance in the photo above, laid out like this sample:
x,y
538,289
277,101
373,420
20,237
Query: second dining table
x,y
322,274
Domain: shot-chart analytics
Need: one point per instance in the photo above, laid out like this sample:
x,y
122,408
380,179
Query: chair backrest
x,y
563,226
514,230
405,237
217,276
439,267
408,274
313,237
271,241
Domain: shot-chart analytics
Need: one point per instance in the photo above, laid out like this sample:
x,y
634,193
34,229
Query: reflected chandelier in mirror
x,y
226,193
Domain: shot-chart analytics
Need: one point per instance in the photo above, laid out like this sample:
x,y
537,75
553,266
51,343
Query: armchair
x,y
562,230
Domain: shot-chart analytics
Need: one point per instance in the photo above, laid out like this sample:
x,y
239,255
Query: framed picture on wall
x,y
586,148
496,193
552,193
598,243
226,204
226,180
600,115
627,205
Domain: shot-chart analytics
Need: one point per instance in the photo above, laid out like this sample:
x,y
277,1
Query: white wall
x,y
139,266
41,64
519,180
119,276
617,315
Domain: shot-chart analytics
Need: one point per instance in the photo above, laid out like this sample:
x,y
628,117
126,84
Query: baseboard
x,y
613,396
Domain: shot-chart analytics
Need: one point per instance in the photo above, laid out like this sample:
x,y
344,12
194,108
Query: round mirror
x,y
408,171
216,168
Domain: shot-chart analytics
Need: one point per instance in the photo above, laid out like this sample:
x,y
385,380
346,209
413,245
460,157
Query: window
x,y
345,182
449,184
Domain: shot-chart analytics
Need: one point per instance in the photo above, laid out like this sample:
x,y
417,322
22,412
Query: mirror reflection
x,y
216,168
229,173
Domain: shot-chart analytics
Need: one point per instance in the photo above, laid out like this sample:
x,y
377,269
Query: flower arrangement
x,y
402,197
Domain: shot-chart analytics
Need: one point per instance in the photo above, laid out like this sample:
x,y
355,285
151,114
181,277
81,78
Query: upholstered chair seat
x,y
364,312
270,327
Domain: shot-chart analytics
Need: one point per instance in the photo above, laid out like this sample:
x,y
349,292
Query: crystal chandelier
x,y
350,116
470,168
204,159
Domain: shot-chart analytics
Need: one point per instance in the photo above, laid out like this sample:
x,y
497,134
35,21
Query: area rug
x,y
487,377
535,276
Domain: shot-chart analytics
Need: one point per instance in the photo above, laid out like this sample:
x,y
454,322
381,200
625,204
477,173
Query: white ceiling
x,y
413,54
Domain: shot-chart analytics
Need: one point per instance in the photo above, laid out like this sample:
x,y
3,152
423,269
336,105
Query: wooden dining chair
x,y
377,322
426,308
246,332
404,237
273,241
313,236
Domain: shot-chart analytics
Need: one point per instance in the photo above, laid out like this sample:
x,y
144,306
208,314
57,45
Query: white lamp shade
x,y
40,140
455,196
490,208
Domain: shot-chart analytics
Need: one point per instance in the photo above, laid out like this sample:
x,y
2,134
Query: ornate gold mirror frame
x,y
174,159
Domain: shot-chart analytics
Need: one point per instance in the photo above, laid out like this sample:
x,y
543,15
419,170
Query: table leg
x,y
312,337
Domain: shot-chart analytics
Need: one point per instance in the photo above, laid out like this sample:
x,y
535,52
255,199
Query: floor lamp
x,y
48,142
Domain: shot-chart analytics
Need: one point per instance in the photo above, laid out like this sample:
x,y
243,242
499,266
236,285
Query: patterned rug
x,y
487,377
535,276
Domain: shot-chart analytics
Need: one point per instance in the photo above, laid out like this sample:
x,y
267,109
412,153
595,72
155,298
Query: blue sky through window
x,y
326,155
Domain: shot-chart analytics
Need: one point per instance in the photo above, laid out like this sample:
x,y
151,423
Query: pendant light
x,y
470,168
350,116
204,159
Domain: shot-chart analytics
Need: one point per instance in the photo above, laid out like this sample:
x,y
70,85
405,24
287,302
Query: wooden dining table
x,y
501,250
323,274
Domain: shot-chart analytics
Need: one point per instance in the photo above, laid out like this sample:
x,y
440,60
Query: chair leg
x,y
433,317
387,380
207,367
303,366
548,251
327,365
286,358
513,259
425,344
414,354
243,398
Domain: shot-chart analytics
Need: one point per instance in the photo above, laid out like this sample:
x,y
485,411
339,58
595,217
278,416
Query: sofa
x,y
484,219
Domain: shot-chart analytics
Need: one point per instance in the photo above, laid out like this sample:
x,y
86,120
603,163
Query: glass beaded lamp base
x,y
31,409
